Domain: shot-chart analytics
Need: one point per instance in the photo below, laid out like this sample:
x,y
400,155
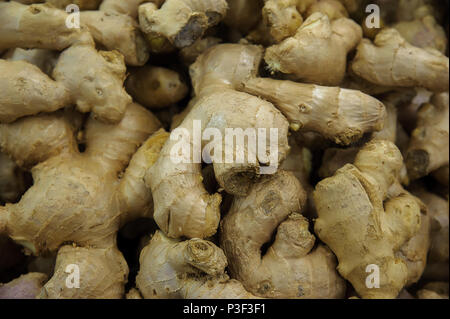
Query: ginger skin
x,y
26,90
391,61
12,180
90,217
379,231
317,42
291,268
116,31
98,86
156,87
182,205
189,269
180,22
35,26
429,144
341,115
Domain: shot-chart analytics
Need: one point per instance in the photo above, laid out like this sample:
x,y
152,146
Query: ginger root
x,y
341,115
12,180
182,205
190,269
291,267
98,85
391,61
369,230
115,31
429,145
180,22
318,42
26,90
35,26
77,197
156,87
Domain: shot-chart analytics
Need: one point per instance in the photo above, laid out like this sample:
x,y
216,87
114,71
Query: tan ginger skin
x,y
341,115
182,205
117,31
62,4
98,86
128,7
318,42
42,93
12,180
35,26
156,87
291,267
384,226
190,269
428,149
391,61
42,58
46,217
180,22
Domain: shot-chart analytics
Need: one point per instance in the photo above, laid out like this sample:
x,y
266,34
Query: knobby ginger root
x,y
342,115
180,22
281,18
156,87
98,85
103,274
391,61
132,185
25,287
318,42
116,31
90,216
429,145
368,230
35,26
291,267
26,90
182,205
191,269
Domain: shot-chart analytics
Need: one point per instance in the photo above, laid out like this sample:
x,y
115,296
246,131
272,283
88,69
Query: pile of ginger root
x,y
348,199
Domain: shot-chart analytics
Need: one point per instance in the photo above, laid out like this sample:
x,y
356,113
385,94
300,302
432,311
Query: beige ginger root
x,y
317,53
391,61
368,230
191,269
434,290
180,22
341,115
189,54
91,215
35,26
429,145
26,90
182,205
115,31
281,18
97,87
291,267
156,87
